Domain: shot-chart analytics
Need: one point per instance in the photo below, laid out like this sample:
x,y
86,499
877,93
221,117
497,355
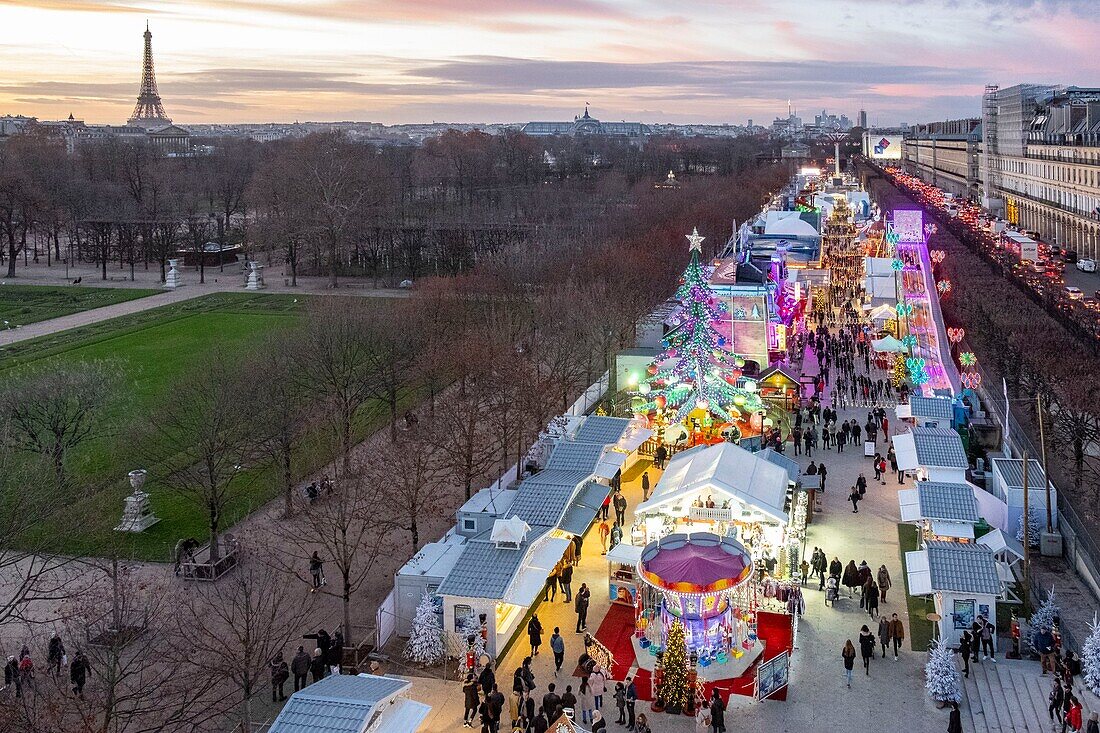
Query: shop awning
x,y
633,439
959,530
578,517
905,450
531,578
888,344
611,462
902,411
918,573
624,553
909,500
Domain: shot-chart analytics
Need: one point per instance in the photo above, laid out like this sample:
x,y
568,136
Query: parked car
x,y
1086,264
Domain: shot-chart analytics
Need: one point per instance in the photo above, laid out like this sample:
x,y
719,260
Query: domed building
x,y
586,124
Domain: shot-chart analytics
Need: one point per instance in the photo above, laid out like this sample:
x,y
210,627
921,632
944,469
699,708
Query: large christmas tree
x,y
674,687
696,368
1090,658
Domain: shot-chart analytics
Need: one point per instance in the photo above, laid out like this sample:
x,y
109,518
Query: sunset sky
x,y
516,60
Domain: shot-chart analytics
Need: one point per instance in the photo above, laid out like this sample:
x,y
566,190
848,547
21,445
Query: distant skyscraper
x,y
149,112
862,119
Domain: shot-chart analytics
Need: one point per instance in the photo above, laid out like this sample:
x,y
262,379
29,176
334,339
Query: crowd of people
x,y
527,711
20,673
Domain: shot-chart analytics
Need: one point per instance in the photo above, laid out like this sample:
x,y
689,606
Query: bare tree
x,y
281,408
388,363
331,357
463,432
349,529
412,473
51,411
209,421
233,629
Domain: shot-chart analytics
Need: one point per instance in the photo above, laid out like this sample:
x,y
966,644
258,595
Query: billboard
x,y
909,225
882,147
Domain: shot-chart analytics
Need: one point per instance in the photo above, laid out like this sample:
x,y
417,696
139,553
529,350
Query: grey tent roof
x,y
1012,471
940,447
541,499
573,456
938,407
583,509
483,571
947,502
601,429
336,704
788,464
963,568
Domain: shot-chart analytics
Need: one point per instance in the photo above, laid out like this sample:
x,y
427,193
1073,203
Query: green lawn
x,y
23,304
156,349
920,628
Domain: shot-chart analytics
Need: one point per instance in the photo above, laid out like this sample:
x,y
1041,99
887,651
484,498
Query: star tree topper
x,y
696,241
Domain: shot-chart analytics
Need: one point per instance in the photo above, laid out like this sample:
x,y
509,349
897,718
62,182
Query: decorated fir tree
x,y
941,677
1090,658
1035,529
696,369
1045,616
472,645
674,687
425,645
900,373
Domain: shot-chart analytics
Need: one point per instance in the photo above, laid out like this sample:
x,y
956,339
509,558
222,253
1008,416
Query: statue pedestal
x,y
255,277
172,280
137,517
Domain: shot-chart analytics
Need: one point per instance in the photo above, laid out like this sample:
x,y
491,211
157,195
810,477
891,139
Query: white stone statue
x,y
255,276
172,280
137,516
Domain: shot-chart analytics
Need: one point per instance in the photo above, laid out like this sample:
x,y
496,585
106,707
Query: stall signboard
x,y
773,675
881,147
909,225
963,614
624,593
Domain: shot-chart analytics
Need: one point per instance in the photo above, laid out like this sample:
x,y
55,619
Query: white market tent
x,y
888,344
788,224
882,312
726,470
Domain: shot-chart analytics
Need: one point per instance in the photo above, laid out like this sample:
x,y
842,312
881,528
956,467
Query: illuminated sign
x,y
882,147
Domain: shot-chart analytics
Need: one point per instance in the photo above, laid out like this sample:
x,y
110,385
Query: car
x,y
1074,293
1086,264
1071,255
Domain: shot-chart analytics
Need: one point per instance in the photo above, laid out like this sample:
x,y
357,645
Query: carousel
x,y
705,582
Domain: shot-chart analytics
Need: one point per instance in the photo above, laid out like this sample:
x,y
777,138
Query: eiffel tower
x,y
149,112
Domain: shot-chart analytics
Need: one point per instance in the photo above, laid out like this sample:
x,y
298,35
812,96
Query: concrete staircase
x,y
1011,697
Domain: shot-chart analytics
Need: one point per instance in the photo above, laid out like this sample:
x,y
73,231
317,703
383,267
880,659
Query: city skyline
x,y
707,62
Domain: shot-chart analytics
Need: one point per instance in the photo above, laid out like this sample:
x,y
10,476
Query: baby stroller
x,y
832,590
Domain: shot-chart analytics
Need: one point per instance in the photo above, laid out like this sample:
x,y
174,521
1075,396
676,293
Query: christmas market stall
x,y
964,581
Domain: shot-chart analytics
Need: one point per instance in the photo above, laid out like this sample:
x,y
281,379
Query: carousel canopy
x,y
697,563
726,471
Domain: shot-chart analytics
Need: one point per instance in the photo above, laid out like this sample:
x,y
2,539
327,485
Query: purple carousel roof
x,y
697,563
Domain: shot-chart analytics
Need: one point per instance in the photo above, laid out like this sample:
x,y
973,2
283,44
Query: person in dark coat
x,y
280,673
299,667
717,713
317,665
965,651
534,632
954,722
581,605
11,676
866,648
872,599
336,651
1056,698
470,700
55,652
850,579
487,679
645,485
78,673
836,569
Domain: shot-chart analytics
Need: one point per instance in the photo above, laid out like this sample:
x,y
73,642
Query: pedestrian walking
x,y
1075,713
584,701
631,702
317,666
823,472
55,655
897,633
487,679
954,720
872,599
317,570
470,700
534,632
605,532
552,582
848,655
850,579
717,712
853,496
557,645
866,648
605,508
986,634
645,485
884,634
964,651
884,583
619,695
598,681
1093,726
78,673
659,456
581,607
11,676
599,725
280,673
551,701
620,508
566,580
299,667
1056,698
